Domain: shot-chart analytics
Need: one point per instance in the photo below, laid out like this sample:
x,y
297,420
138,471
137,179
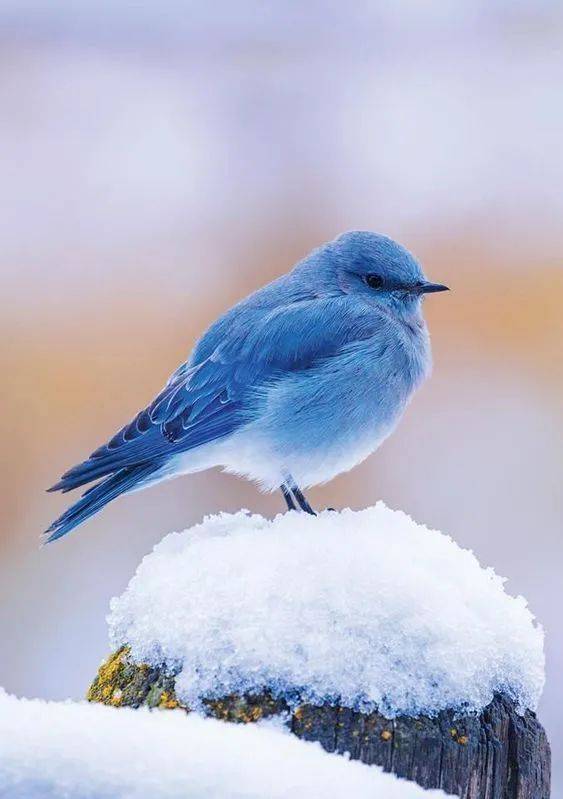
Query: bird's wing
x,y
208,400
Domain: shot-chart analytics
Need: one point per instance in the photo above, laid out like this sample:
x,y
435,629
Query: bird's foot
x,y
293,494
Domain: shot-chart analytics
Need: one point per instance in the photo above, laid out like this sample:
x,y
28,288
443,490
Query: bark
x,y
497,754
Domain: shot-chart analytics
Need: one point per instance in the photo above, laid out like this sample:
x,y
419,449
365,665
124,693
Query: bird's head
x,y
377,268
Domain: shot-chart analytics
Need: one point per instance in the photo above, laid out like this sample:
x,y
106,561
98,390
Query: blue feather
x,y
96,498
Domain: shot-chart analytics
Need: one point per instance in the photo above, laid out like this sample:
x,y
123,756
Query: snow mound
x,y
365,609
50,750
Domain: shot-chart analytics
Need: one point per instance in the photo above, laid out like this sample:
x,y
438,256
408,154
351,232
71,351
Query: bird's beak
x,y
430,288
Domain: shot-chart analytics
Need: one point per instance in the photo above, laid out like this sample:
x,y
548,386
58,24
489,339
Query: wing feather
x,y
206,401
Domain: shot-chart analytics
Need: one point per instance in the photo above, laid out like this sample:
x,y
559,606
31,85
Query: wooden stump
x,y
497,754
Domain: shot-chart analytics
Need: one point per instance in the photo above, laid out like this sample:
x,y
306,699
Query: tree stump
x,y
496,754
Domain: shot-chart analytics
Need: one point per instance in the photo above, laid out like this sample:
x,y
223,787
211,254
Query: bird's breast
x,y
322,421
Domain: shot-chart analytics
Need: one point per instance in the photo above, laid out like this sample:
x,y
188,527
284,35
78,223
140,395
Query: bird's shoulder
x,y
236,324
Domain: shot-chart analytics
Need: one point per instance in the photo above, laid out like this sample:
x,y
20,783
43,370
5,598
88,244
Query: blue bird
x,y
298,382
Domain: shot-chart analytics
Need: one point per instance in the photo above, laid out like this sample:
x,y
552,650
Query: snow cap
x,y
365,609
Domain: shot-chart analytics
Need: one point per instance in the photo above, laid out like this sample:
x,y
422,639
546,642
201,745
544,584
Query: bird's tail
x,y
97,497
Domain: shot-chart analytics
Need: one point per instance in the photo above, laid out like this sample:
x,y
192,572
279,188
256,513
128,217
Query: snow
x,y
364,608
51,750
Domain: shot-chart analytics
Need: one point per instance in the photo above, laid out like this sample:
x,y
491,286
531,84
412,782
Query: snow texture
x,y
51,750
365,609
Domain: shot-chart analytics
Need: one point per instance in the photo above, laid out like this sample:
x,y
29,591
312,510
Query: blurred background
x,y
160,160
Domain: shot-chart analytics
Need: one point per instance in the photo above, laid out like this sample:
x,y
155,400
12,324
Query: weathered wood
x,y
497,754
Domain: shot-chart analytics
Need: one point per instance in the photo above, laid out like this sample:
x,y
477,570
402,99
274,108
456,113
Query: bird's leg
x,y
299,496
287,496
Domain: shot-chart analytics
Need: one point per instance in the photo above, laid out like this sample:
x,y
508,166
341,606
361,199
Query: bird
x,y
297,383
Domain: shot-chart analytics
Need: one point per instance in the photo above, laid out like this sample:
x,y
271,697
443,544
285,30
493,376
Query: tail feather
x,y
97,497
97,466
85,473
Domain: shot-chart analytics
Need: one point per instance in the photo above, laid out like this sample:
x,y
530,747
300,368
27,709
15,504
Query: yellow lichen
x,y
460,739
248,714
386,735
104,686
241,709
168,701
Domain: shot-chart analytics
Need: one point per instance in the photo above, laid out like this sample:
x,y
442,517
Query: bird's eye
x,y
374,281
